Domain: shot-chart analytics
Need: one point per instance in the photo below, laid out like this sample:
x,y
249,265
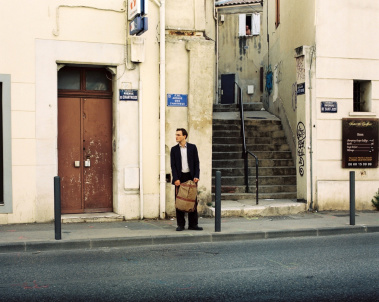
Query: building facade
x,y
323,62
85,100
320,77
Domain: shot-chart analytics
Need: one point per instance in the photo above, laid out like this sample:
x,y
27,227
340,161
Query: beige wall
x,y
190,49
43,34
296,28
345,52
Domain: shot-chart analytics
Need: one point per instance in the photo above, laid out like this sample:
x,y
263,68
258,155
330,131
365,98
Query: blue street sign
x,y
138,26
329,107
177,100
300,89
128,95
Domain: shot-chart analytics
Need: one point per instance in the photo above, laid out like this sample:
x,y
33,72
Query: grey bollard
x,y
352,197
57,208
218,202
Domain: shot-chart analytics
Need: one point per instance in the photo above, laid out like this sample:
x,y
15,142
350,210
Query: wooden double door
x,y
85,149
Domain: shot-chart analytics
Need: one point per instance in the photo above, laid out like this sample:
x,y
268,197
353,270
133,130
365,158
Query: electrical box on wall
x,y
250,89
137,49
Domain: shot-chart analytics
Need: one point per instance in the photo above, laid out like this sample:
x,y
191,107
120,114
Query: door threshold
x,y
91,217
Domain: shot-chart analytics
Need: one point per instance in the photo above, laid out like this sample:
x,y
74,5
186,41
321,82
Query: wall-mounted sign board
x,y
300,89
177,100
137,7
329,107
360,143
138,26
128,95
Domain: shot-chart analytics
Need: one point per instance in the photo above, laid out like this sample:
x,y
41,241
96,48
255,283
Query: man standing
x,y
185,166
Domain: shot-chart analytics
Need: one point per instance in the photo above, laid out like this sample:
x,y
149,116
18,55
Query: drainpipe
x,y
215,16
311,128
162,115
140,150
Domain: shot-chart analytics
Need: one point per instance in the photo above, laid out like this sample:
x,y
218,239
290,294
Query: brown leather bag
x,y
186,196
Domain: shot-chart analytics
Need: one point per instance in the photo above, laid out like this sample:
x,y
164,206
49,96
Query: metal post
x,y
218,202
57,208
352,197
247,172
256,179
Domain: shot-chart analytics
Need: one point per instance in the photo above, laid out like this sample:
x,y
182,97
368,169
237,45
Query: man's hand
x,y
195,180
177,183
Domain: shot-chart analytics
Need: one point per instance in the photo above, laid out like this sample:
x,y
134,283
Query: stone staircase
x,y
266,139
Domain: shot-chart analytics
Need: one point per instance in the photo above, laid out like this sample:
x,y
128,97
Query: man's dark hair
x,y
184,132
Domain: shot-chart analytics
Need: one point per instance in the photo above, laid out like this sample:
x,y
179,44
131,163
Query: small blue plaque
x,y
329,107
128,95
177,100
300,89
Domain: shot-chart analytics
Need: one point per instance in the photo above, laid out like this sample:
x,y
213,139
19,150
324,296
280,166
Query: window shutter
x,y
256,24
242,25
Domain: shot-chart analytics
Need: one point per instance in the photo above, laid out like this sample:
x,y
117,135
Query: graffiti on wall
x,y
300,69
301,146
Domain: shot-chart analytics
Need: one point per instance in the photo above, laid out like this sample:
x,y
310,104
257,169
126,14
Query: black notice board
x,y
359,143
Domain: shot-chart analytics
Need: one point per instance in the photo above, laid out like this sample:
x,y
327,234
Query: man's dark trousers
x,y
192,216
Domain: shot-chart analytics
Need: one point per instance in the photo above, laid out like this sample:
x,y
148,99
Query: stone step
x,y
240,163
251,148
266,139
248,127
91,217
249,208
256,106
247,121
241,196
249,140
260,154
262,171
261,189
262,180
261,133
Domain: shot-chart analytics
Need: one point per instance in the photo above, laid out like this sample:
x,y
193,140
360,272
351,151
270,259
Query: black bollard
x,y
57,208
352,197
218,202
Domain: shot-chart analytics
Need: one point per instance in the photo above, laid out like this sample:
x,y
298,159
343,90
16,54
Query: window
x,y
84,78
5,145
277,13
249,25
362,96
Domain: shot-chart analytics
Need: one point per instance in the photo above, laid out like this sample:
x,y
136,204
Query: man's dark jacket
x,y
176,162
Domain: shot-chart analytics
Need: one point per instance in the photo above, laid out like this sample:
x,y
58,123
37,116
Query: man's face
x,y
180,138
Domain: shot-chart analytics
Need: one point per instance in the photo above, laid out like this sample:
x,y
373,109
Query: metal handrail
x,y
246,152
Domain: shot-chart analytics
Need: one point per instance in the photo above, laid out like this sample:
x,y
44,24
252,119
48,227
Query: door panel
x,y
69,151
228,88
97,149
85,135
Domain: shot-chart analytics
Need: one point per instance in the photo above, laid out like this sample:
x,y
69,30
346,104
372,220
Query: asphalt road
x,y
336,268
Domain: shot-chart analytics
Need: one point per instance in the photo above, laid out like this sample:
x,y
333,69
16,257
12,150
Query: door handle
x,y
77,164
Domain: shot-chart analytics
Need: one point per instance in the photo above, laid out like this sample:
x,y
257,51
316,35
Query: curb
x,y
62,245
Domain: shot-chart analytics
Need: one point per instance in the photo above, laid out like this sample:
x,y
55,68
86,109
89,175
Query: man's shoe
x,y
195,228
179,228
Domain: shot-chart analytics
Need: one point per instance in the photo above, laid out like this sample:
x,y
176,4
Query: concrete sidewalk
x,y
41,237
